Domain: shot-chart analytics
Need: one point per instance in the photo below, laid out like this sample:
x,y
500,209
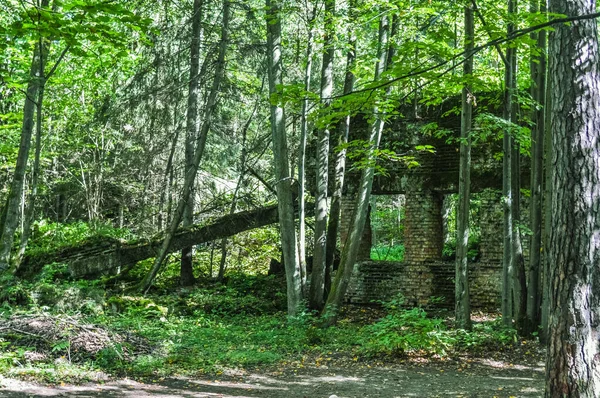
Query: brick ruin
x,y
424,278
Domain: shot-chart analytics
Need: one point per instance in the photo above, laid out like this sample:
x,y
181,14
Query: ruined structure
x,y
423,278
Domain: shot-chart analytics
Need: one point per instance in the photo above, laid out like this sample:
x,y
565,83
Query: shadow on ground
x,y
483,379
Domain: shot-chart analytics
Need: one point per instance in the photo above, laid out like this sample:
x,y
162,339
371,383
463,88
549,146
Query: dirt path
x,y
483,379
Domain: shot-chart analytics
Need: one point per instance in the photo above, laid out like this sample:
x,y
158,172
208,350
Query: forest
x,y
323,198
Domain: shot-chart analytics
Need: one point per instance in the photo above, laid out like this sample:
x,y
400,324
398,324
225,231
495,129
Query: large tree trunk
x,y
186,277
463,302
317,282
9,218
359,218
343,131
190,175
289,245
91,259
573,362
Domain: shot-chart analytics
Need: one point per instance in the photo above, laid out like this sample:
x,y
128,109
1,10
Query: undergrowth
x,y
240,323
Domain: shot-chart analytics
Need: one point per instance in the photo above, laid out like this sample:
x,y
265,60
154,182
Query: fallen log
x,y
109,255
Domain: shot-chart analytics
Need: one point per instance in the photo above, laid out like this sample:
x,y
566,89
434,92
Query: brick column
x,y
491,240
423,233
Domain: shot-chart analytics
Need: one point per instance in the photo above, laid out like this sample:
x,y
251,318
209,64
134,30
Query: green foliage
x,y
50,236
387,253
406,331
411,331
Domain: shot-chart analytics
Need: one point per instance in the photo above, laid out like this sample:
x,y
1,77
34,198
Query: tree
x,y
507,174
187,272
343,131
573,362
538,94
302,150
289,245
10,213
463,304
190,173
317,283
359,217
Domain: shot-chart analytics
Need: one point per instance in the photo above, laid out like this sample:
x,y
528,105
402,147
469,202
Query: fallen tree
x,y
108,255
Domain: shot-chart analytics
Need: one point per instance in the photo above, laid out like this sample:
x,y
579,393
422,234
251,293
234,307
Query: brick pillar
x,y
491,240
364,252
423,227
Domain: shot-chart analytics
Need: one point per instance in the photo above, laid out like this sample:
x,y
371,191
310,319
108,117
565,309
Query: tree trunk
x,y
463,303
187,271
359,218
29,212
10,214
280,151
517,272
317,282
538,94
302,155
190,175
573,361
507,258
547,211
340,159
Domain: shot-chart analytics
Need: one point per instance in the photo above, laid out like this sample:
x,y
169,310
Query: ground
x,y
471,378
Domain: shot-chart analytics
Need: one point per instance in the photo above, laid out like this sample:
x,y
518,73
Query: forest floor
x,y
483,378
514,373
234,341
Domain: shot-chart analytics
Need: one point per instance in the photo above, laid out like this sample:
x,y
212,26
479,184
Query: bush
x,y
405,331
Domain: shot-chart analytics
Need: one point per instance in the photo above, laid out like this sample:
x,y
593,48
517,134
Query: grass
x,y
240,324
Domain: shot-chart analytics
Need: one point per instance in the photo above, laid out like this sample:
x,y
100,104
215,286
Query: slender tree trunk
x,y
163,216
573,361
463,302
547,211
343,131
29,212
9,219
280,151
302,154
538,93
359,218
190,175
317,283
517,274
507,258
187,270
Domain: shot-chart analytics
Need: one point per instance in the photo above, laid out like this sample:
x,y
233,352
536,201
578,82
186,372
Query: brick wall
x,y
419,283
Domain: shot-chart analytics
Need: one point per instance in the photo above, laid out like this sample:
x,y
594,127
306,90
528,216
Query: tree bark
x,y
317,282
463,302
199,150
287,228
573,361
